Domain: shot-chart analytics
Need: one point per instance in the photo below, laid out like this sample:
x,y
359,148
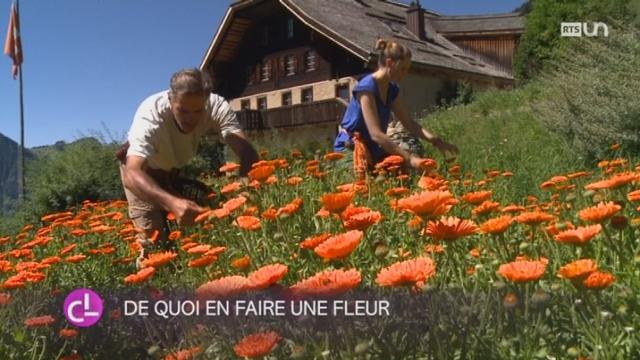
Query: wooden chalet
x,y
288,66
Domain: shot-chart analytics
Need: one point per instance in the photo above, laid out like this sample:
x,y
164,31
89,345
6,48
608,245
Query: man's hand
x,y
185,211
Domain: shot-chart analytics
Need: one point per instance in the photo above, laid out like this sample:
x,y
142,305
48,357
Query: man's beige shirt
x,y
155,136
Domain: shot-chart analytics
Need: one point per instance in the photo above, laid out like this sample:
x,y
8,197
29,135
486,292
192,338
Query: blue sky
x,y
89,63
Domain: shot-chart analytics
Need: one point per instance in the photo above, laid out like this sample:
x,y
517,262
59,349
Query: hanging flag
x,y
12,45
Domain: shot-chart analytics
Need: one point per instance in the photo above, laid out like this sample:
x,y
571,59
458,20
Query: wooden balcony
x,y
324,111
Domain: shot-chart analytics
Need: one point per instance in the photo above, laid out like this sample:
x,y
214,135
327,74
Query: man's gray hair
x,y
191,82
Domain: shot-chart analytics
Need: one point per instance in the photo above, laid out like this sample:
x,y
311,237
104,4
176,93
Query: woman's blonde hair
x,y
389,49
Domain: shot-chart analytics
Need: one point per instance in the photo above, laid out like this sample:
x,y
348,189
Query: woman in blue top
x,y
374,98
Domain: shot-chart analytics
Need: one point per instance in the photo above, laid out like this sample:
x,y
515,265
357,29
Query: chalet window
x,y
286,98
307,95
290,28
262,103
290,63
342,92
310,61
265,71
245,104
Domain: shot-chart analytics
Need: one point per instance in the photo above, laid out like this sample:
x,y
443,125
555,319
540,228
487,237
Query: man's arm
x,y
142,185
241,146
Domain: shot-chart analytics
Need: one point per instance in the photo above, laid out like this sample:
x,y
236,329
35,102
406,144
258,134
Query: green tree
x,y
541,41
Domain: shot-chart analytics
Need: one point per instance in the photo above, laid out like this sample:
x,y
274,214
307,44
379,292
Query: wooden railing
x,y
324,111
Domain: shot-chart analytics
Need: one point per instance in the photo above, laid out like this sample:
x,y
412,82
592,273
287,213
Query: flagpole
x,y
21,160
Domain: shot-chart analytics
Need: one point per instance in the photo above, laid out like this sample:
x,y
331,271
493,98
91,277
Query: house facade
x,y
288,66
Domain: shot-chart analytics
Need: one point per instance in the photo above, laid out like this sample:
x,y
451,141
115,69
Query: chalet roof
x,y
356,24
495,23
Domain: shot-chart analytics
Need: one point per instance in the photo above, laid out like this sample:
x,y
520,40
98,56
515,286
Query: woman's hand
x,y
449,151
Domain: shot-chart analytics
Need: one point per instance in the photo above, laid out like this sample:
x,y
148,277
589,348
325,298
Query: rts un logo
x,y
83,307
579,29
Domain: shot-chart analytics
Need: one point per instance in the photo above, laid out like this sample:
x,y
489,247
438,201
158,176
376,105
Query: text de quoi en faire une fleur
x,y
258,308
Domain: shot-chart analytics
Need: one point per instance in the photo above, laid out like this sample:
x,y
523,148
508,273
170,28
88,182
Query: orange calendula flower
x,y
329,282
185,354
359,186
270,214
634,196
290,208
158,259
202,261
397,191
323,213
497,225
407,272
431,183
428,203
428,164
234,204
39,321
353,210
5,266
580,235
141,276
579,174
598,280
257,345
555,228
313,241
578,270
267,276
533,217
175,235
223,287
229,167
12,283
513,209
477,197
68,333
485,207
332,156
230,188
294,180
339,246
261,173
599,213
198,249
67,249
250,223
391,160
362,221
75,258
241,263
523,270
614,182
336,202
450,228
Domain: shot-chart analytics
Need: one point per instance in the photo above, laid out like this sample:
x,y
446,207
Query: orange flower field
x,y
467,272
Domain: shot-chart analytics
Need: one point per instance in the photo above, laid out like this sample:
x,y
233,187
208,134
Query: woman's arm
x,y
400,111
372,120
